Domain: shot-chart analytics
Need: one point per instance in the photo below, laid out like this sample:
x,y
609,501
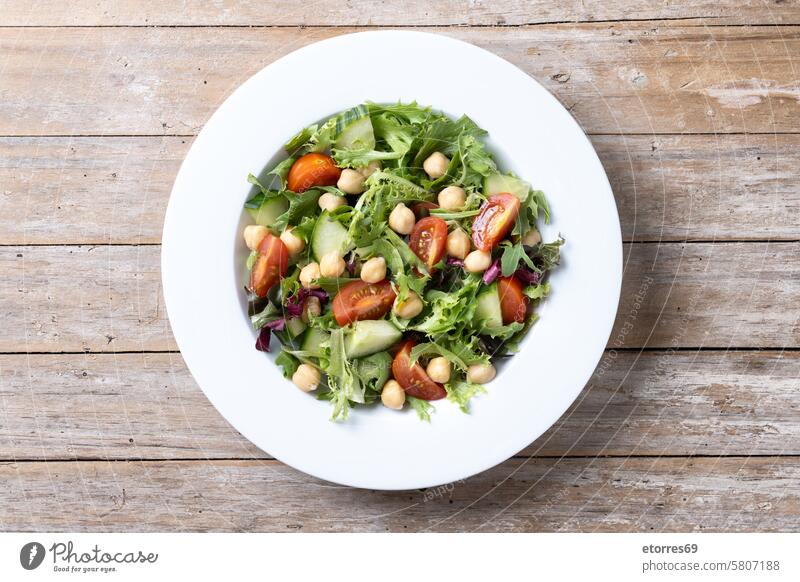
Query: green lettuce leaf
x,y
423,408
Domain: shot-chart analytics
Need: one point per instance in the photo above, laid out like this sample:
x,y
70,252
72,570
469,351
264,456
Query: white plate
x,y
202,257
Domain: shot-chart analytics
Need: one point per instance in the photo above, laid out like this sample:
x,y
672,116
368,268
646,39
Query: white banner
x,y
406,557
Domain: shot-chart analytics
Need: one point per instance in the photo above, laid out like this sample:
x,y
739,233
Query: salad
x,y
393,260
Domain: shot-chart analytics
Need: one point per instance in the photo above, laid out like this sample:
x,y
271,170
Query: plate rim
x,y
168,246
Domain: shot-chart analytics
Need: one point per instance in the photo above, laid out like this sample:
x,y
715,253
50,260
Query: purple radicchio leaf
x,y
294,303
492,273
262,343
528,276
452,261
276,325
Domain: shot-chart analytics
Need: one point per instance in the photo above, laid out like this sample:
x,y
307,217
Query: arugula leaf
x,y
454,215
429,348
374,370
290,285
264,194
288,363
512,255
529,212
504,331
269,313
300,205
461,392
405,251
410,282
423,408
305,228
281,171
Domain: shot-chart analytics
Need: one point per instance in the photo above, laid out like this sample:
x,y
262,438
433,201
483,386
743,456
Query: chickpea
x,y
532,238
458,244
312,308
309,276
253,235
332,265
436,165
452,198
410,308
370,169
351,181
439,370
374,270
306,377
477,261
481,373
331,202
294,244
402,219
392,395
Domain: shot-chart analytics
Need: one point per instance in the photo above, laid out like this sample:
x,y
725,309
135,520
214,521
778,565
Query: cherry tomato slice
x,y
423,209
428,240
513,301
270,266
495,220
414,379
312,170
360,300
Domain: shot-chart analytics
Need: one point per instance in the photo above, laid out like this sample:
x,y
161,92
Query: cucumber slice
x,y
487,310
295,326
312,341
496,183
370,336
269,211
354,130
329,235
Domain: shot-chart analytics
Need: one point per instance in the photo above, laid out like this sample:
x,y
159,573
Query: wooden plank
x,y
723,187
644,77
74,299
377,13
91,190
606,494
147,406
86,190
707,295
108,298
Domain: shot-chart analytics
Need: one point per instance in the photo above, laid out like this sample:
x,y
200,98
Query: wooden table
x,y
692,421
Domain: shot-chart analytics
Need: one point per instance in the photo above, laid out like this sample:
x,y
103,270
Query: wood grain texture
x,y
108,298
99,102
147,406
68,190
93,190
377,13
648,77
76,299
607,494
